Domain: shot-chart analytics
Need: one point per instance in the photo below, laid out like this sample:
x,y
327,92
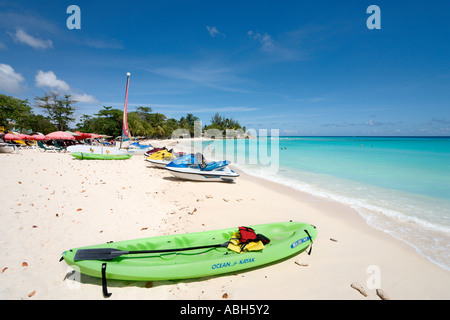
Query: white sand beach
x,y
51,202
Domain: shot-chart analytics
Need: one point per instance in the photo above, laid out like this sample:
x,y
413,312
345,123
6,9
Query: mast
x,y
125,130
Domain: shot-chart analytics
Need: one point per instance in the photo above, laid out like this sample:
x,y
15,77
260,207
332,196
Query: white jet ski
x,y
192,167
159,163
162,158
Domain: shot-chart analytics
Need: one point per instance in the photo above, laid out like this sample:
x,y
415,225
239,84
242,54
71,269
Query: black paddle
x,y
111,253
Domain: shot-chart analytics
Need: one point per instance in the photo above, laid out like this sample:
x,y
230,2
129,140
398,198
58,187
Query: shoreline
x,y
308,196
351,216
122,200
369,212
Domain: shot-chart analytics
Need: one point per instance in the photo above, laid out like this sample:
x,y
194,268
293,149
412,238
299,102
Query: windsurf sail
x,y
126,136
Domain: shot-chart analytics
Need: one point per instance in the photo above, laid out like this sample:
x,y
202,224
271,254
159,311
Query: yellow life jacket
x,y
236,245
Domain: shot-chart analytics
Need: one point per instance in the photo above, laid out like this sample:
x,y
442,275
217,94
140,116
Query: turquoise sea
x,y
400,185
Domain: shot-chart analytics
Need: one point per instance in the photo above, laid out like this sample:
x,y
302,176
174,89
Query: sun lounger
x,y
48,148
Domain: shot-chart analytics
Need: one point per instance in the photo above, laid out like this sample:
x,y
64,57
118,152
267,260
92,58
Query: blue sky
x,y
303,67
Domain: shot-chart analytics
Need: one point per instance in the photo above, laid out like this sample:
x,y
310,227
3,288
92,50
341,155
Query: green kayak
x,y
187,256
98,156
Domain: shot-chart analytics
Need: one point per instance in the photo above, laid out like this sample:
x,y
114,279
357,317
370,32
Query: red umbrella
x,y
26,137
10,136
39,137
60,135
82,135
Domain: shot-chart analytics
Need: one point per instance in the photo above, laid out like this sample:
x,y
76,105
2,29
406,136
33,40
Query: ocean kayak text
x,y
230,264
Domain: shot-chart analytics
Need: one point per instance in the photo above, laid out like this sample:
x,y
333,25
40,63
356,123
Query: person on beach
x,y
2,136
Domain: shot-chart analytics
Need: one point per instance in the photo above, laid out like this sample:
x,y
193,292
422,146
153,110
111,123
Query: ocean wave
x,y
383,210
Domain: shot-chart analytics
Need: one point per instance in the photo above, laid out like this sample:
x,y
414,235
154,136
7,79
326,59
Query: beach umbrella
x,y
39,137
10,136
26,137
95,136
82,135
60,135
73,133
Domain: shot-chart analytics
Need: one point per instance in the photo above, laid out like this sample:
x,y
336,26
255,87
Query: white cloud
x,y
49,80
23,37
275,49
84,98
207,74
31,20
10,81
2,45
265,40
213,31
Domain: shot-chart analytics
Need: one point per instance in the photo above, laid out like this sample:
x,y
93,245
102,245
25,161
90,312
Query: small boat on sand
x,y
84,148
161,158
98,156
7,148
192,255
194,167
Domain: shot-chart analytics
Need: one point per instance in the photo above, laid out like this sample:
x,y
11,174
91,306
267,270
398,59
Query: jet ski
x,y
152,151
161,158
194,167
139,148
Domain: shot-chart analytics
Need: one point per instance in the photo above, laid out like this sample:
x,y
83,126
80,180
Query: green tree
x,y
222,123
14,112
60,111
190,119
86,124
217,121
136,124
144,113
183,123
109,121
157,124
170,126
143,122
39,123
